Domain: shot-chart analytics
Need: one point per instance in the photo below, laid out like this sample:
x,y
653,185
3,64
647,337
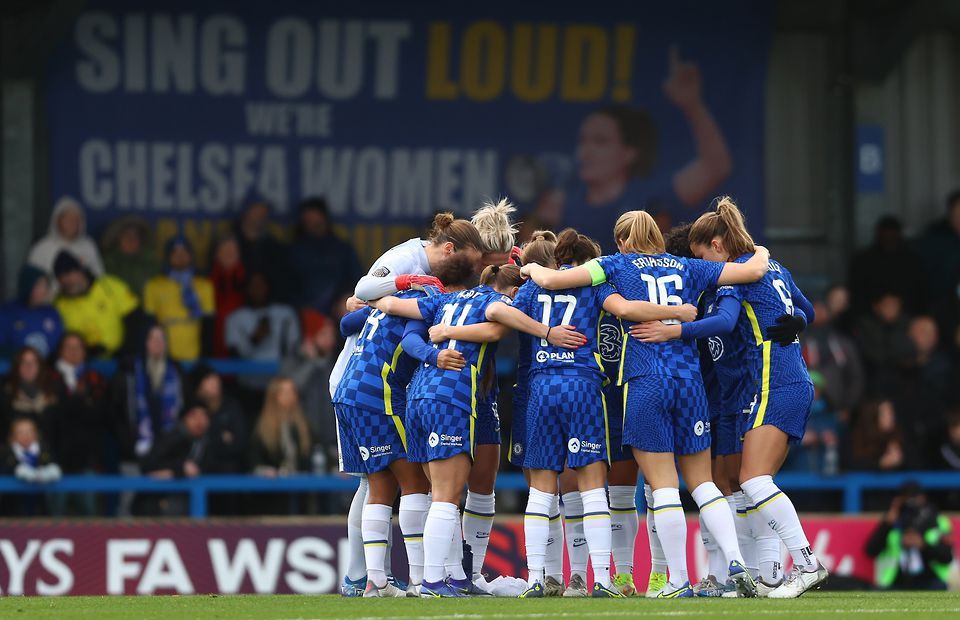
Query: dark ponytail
x,y
572,247
501,277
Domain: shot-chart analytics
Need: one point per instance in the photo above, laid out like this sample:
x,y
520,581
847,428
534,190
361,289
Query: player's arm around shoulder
x,y
745,273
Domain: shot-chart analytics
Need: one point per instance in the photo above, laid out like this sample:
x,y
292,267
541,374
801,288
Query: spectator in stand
x,y
149,396
229,281
912,546
923,387
67,232
26,456
281,441
326,266
829,351
78,422
837,300
181,452
310,372
102,310
227,443
28,392
128,253
30,320
877,439
884,341
261,251
940,251
887,266
182,303
949,449
262,330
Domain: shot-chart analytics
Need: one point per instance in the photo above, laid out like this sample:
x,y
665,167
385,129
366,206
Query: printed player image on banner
x,y
391,112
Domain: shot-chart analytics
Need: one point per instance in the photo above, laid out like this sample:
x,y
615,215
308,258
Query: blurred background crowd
x,y
111,348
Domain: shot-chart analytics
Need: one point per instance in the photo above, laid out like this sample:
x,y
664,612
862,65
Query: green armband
x,y
596,272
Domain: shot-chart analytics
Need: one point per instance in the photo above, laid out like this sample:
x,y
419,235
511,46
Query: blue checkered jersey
x,y
726,375
377,372
661,279
763,301
459,388
578,307
524,342
610,343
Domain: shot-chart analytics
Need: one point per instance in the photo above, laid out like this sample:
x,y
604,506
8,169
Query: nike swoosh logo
x,y
579,544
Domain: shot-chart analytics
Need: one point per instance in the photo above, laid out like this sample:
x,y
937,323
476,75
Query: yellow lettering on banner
x,y
439,85
483,60
531,84
585,50
624,36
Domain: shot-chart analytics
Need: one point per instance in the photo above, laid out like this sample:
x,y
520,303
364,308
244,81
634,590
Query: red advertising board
x,y
74,558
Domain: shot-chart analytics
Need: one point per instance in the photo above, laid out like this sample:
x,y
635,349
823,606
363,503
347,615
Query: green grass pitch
x,y
927,606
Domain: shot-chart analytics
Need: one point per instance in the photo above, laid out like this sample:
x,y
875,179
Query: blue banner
x,y
392,111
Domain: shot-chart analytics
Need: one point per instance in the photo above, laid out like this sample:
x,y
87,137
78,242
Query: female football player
x,y
442,407
774,310
666,415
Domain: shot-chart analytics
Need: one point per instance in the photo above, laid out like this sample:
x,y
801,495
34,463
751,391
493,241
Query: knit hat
x,y
26,280
65,263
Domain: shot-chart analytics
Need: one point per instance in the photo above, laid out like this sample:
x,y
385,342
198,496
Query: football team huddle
x,y
675,356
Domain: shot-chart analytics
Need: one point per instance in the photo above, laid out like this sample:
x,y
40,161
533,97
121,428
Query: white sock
x,y
413,512
536,532
748,546
623,517
596,529
376,528
716,564
768,546
658,561
576,542
672,532
779,512
477,522
438,531
356,564
388,558
716,515
553,565
455,556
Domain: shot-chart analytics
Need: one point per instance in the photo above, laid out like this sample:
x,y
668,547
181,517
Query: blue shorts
x,y
726,434
666,414
518,426
488,423
437,430
614,396
786,407
369,440
567,417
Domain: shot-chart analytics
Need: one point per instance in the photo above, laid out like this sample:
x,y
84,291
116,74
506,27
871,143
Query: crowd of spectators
x,y
107,347
884,351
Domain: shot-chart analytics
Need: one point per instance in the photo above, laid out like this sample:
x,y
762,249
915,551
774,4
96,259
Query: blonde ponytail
x,y
637,232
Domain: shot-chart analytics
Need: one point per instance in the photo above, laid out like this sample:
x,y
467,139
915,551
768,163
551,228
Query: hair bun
x,y
442,221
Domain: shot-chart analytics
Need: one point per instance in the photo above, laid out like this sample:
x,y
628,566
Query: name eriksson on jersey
x,y
657,261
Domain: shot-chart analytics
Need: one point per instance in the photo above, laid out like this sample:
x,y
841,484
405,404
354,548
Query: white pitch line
x,y
665,613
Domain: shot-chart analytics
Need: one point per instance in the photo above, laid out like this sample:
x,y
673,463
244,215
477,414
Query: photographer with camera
x,y
912,546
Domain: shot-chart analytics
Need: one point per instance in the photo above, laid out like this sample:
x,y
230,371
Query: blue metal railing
x,y
851,486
